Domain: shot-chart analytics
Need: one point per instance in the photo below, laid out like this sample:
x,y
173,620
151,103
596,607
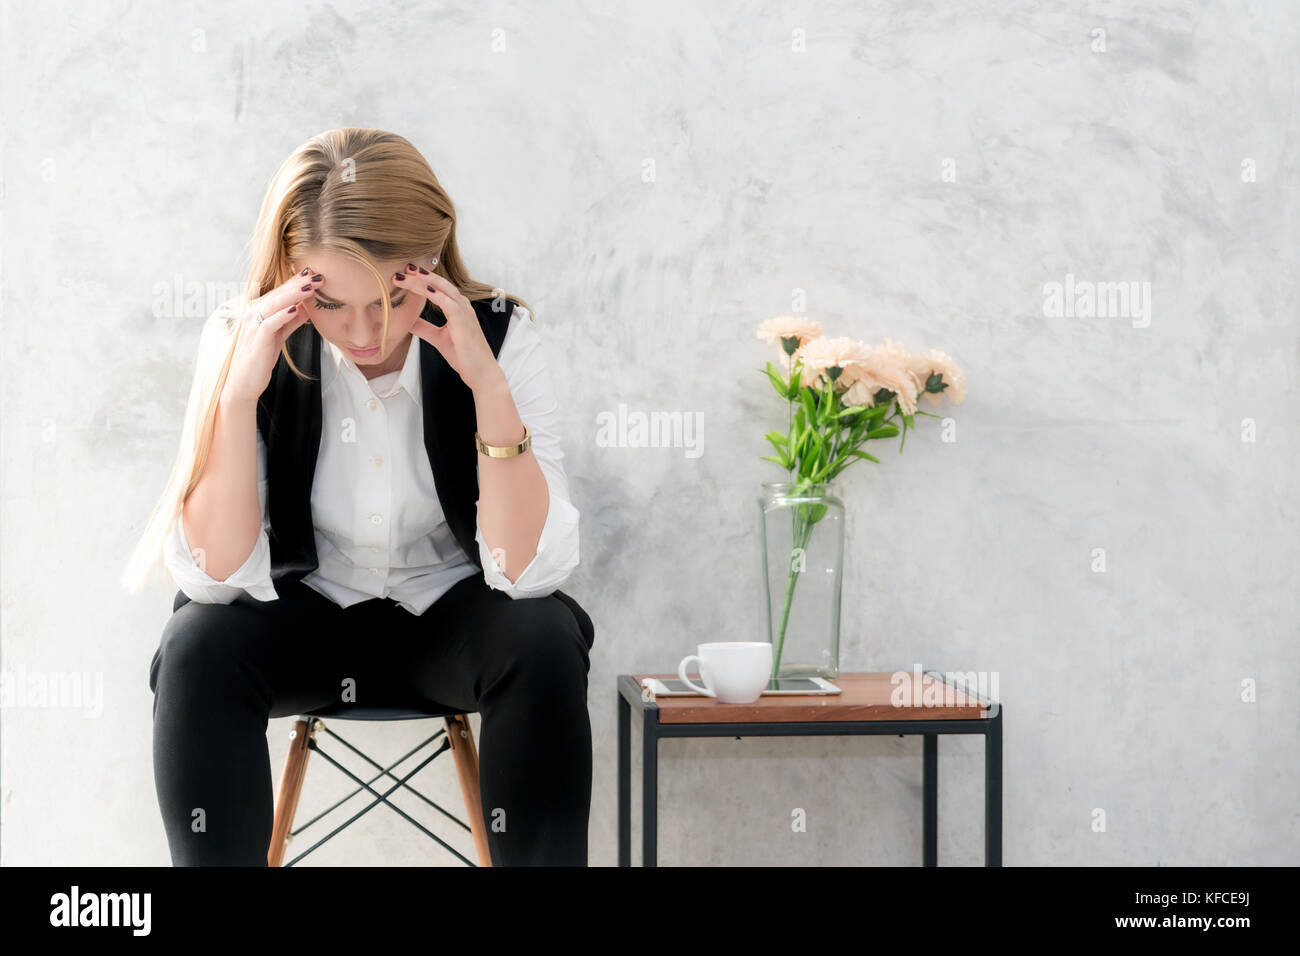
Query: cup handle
x,y
681,672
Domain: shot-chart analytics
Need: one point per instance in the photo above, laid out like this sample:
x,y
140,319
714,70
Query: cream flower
x,y
936,362
821,354
785,327
883,368
896,351
859,393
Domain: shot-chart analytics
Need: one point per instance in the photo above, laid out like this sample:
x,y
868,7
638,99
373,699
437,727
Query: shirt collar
x,y
335,360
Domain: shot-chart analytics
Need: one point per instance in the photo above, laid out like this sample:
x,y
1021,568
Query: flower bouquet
x,y
840,394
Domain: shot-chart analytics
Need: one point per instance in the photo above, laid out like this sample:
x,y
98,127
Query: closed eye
x,y
335,305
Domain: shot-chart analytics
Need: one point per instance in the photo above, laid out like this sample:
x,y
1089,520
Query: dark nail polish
x,y
399,276
304,271
306,288
410,267
293,308
318,278
431,288
424,272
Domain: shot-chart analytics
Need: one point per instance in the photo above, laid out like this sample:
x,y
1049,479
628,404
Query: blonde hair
x,y
366,194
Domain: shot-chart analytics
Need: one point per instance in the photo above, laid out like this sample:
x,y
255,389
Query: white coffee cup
x,y
734,672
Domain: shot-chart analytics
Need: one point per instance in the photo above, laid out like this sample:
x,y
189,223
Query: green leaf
x,y
778,383
797,428
777,460
810,407
832,466
785,458
776,438
884,431
863,454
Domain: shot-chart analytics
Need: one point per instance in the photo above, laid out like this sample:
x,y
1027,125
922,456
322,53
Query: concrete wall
x,y
1112,533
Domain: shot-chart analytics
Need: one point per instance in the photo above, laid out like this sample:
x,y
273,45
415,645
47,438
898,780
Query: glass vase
x,y
802,527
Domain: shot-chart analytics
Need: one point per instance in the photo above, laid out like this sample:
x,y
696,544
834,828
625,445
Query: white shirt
x,y
379,527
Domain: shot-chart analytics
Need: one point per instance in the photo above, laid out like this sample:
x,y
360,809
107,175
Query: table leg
x,y
930,800
649,788
993,792
624,781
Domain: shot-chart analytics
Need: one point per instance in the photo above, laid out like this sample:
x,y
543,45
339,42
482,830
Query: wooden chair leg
x,y
286,801
466,757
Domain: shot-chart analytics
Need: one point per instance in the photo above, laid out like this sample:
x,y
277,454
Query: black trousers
x,y
222,670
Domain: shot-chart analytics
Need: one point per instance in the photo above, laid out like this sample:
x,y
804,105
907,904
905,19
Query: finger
x,y
433,334
297,316
279,325
444,285
451,308
417,280
293,290
429,284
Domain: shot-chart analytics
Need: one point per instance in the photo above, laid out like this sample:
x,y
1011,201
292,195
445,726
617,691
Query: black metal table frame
x,y
652,731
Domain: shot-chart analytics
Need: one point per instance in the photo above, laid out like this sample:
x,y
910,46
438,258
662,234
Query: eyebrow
x,y
392,291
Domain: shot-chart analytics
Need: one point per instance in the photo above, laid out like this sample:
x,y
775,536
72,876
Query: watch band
x,y
505,451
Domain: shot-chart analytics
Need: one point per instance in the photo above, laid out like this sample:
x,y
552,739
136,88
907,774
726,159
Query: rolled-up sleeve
x,y
252,577
528,377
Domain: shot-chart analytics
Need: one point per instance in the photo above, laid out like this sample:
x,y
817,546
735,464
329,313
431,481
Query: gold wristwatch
x,y
504,451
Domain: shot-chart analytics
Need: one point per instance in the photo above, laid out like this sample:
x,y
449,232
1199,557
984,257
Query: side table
x,y
865,706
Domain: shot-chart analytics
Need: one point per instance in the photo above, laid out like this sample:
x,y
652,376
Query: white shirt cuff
x,y
253,577
556,557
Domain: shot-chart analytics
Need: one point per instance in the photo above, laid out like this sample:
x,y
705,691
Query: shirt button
x,y
375,519
377,460
373,548
374,570
372,404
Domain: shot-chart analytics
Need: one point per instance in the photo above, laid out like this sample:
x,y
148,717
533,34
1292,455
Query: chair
x,y
303,740
459,740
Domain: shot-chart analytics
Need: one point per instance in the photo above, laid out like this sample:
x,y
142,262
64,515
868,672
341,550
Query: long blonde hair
x,y
366,194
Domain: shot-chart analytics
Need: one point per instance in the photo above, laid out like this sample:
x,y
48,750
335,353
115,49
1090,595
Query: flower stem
x,y
801,535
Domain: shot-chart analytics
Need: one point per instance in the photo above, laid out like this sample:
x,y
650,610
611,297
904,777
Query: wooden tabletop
x,y
864,696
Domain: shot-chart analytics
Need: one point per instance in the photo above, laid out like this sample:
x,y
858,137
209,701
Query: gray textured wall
x,y
138,140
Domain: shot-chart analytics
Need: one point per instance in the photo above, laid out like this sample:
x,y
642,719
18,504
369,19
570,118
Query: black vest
x,y
289,419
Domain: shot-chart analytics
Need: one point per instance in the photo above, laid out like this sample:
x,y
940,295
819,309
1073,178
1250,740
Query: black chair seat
x,y
416,711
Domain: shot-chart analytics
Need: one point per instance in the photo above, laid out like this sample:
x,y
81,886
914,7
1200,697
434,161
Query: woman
x,y
369,506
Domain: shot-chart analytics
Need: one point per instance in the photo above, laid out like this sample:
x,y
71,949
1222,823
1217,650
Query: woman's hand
x,y
460,341
258,346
